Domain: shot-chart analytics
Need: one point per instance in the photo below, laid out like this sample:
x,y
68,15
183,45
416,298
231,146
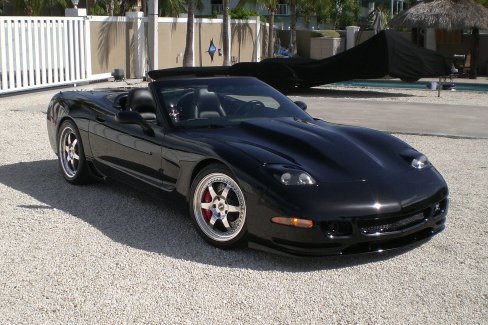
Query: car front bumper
x,y
357,235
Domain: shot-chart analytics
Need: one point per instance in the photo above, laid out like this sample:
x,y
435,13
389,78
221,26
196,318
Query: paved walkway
x,y
414,118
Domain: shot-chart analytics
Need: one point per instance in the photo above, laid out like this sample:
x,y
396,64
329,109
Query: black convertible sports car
x,y
255,168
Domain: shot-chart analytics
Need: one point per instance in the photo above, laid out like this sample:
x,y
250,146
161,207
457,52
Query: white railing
x,y
43,52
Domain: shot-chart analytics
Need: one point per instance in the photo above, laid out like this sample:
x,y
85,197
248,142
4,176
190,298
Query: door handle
x,y
100,118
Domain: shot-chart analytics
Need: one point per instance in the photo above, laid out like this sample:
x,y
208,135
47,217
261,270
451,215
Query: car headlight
x,y
420,162
415,159
291,175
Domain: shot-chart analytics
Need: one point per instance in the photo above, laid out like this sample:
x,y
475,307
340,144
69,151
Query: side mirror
x,y
131,117
301,104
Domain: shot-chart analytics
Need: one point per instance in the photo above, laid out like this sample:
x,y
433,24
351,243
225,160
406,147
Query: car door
x,y
125,151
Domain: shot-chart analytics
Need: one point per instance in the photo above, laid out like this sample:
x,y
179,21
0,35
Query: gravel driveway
x,y
108,254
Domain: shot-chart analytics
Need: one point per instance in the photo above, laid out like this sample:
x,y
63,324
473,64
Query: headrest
x,y
141,100
208,101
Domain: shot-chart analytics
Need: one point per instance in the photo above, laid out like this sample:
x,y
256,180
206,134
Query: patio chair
x,y
464,67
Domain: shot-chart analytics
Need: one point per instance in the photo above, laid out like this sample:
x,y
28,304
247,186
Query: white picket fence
x,y
43,52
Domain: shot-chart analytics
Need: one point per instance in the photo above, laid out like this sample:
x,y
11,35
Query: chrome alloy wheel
x,y
69,152
219,207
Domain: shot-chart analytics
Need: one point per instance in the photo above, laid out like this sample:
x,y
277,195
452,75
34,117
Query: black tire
x,y
218,207
71,155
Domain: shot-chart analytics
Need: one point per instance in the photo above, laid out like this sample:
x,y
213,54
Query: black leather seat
x,y
208,105
200,104
141,100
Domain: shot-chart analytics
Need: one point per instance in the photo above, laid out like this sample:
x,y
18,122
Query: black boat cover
x,y
386,53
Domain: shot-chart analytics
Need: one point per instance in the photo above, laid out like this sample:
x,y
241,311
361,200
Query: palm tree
x,y
226,34
306,7
171,8
271,6
293,27
309,8
345,12
35,7
188,56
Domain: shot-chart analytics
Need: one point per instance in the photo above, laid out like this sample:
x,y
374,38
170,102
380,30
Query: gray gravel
x,y
108,254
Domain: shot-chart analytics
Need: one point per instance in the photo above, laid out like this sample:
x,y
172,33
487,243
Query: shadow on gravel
x,y
157,224
339,93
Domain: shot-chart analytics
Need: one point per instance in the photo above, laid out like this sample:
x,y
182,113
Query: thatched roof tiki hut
x,y
447,15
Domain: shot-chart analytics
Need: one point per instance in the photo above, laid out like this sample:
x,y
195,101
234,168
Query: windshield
x,y
223,101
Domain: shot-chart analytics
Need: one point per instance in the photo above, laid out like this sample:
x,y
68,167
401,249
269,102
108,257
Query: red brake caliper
x,y
206,198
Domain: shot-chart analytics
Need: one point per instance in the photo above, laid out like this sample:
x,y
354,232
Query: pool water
x,y
409,85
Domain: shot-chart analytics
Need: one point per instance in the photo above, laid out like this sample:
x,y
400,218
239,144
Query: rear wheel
x,y
71,156
218,207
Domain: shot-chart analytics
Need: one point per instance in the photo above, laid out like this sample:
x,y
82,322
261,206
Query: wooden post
x,y
439,87
473,73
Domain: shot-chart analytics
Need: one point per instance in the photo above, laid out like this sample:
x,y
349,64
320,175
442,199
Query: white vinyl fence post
x,y
11,70
18,76
76,31
3,56
88,63
43,81
49,51
82,50
31,50
54,33
23,27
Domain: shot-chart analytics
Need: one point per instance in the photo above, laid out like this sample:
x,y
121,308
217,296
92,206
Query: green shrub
x,y
98,10
241,13
326,33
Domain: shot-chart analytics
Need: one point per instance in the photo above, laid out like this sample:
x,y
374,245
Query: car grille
x,y
370,227
378,225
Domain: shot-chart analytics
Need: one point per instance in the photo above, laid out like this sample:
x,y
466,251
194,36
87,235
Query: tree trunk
x,y
475,51
144,7
293,28
188,56
226,38
111,7
272,12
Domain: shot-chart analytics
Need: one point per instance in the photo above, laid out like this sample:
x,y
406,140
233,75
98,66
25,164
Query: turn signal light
x,y
294,222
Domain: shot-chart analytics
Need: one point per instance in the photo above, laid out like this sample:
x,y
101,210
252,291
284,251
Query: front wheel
x,y
71,155
218,207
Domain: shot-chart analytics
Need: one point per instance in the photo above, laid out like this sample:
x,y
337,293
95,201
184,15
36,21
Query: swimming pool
x,y
409,85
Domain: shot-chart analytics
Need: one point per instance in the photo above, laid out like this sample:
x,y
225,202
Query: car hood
x,y
329,152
